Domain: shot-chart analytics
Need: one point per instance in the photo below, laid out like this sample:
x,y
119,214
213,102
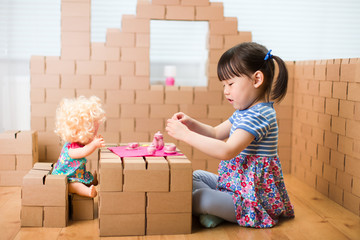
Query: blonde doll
x,y
77,123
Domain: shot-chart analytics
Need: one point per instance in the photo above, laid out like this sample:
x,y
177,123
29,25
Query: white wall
x,y
294,30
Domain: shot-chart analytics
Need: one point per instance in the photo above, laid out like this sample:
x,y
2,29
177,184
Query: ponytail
x,y
280,86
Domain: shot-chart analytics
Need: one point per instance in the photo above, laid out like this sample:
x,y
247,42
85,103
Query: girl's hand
x,y
183,118
176,129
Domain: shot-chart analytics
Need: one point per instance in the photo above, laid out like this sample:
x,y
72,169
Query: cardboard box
x,y
116,38
81,208
142,177
111,176
215,11
31,216
180,174
11,178
37,64
19,142
130,23
145,9
168,223
180,13
56,216
122,202
168,202
120,68
7,162
122,225
52,191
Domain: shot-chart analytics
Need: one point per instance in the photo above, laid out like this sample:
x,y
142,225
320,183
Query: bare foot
x,y
92,192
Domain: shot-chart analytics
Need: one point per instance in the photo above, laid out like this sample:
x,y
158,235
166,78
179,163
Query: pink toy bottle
x,y
158,141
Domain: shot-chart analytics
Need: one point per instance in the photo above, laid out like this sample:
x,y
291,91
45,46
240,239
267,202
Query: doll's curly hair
x,y
76,119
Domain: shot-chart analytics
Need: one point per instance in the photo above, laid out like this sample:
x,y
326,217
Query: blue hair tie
x,y
268,55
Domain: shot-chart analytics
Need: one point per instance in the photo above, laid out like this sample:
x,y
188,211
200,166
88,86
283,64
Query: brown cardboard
x,y
180,174
11,178
130,23
120,68
53,193
37,64
168,223
116,38
122,202
122,225
139,179
82,208
111,176
18,142
135,82
7,162
43,166
169,202
31,216
145,9
56,216
180,13
24,162
215,11
101,52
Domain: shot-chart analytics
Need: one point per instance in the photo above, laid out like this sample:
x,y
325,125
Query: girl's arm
x,y
216,148
88,149
219,132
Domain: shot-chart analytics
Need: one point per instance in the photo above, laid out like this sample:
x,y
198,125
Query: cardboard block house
x,y
144,195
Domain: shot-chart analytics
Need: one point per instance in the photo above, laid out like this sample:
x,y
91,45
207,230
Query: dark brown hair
x,y
247,58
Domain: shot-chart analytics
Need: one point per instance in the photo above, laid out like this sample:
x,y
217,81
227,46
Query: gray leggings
x,y
207,200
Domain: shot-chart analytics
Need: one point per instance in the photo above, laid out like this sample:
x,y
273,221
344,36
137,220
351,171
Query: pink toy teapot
x,y
158,141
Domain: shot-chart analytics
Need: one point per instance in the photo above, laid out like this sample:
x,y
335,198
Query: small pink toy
x,y
158,141
133,145
151,149
170,148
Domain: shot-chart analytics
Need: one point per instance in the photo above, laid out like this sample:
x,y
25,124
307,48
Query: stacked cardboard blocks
x,y
18,153
144,196
45,201
44,198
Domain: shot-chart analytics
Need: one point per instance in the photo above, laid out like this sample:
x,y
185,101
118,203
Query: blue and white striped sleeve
x,y
254,123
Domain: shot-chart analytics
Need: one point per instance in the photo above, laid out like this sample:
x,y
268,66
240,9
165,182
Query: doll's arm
x,y
88,149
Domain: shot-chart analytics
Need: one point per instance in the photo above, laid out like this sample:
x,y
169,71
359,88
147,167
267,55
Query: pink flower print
x,y
233,168
274,206
74,164
271,200
254,204
228,185
247,219
264,185
237,159
250,183
242,222
240,171
242,178
266,164
267,190
251,174
243,184
244,190
281,205
245,166
266,175
238,192
238,216
269,181
247,203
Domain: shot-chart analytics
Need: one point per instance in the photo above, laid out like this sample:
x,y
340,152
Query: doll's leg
x,y
95,181
82,190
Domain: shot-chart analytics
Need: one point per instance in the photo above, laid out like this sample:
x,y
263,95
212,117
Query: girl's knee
x,y
202,201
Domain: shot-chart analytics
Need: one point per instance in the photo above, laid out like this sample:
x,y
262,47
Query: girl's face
x,y
241,92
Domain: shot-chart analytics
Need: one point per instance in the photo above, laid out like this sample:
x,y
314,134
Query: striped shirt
x,y
260,121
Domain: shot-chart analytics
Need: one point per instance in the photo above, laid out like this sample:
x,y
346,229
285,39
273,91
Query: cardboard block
x,y
53,193
45,81
235,39
56,95
177,96
122,225
195,110
333,70
122,202
180,174
11,178
43,166
116,38
130,23
180,12
135,82
105,82
75,39
37,95
135,54
165,2
195,2
150,125
24,161
18,142
142,68
169,202
75,24
7,162
162,110
203,96
228,26
37,65
120,124
149,97
82,208
216,42
101,52
56,66
138,178
168,223
142,40
111,176
134,110
56,216
31,216
75,53
75,9
90,67
215,11
120,68
145,9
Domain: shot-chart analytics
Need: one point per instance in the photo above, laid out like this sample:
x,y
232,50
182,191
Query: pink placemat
x,y
122,151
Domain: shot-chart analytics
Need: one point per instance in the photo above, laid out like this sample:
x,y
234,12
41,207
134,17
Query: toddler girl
x,y
77,123
250,188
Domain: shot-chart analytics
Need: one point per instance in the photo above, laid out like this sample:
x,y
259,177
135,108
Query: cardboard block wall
x,y
118,72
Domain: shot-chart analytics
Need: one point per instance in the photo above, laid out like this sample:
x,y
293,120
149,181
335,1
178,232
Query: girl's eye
x,y
231,84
